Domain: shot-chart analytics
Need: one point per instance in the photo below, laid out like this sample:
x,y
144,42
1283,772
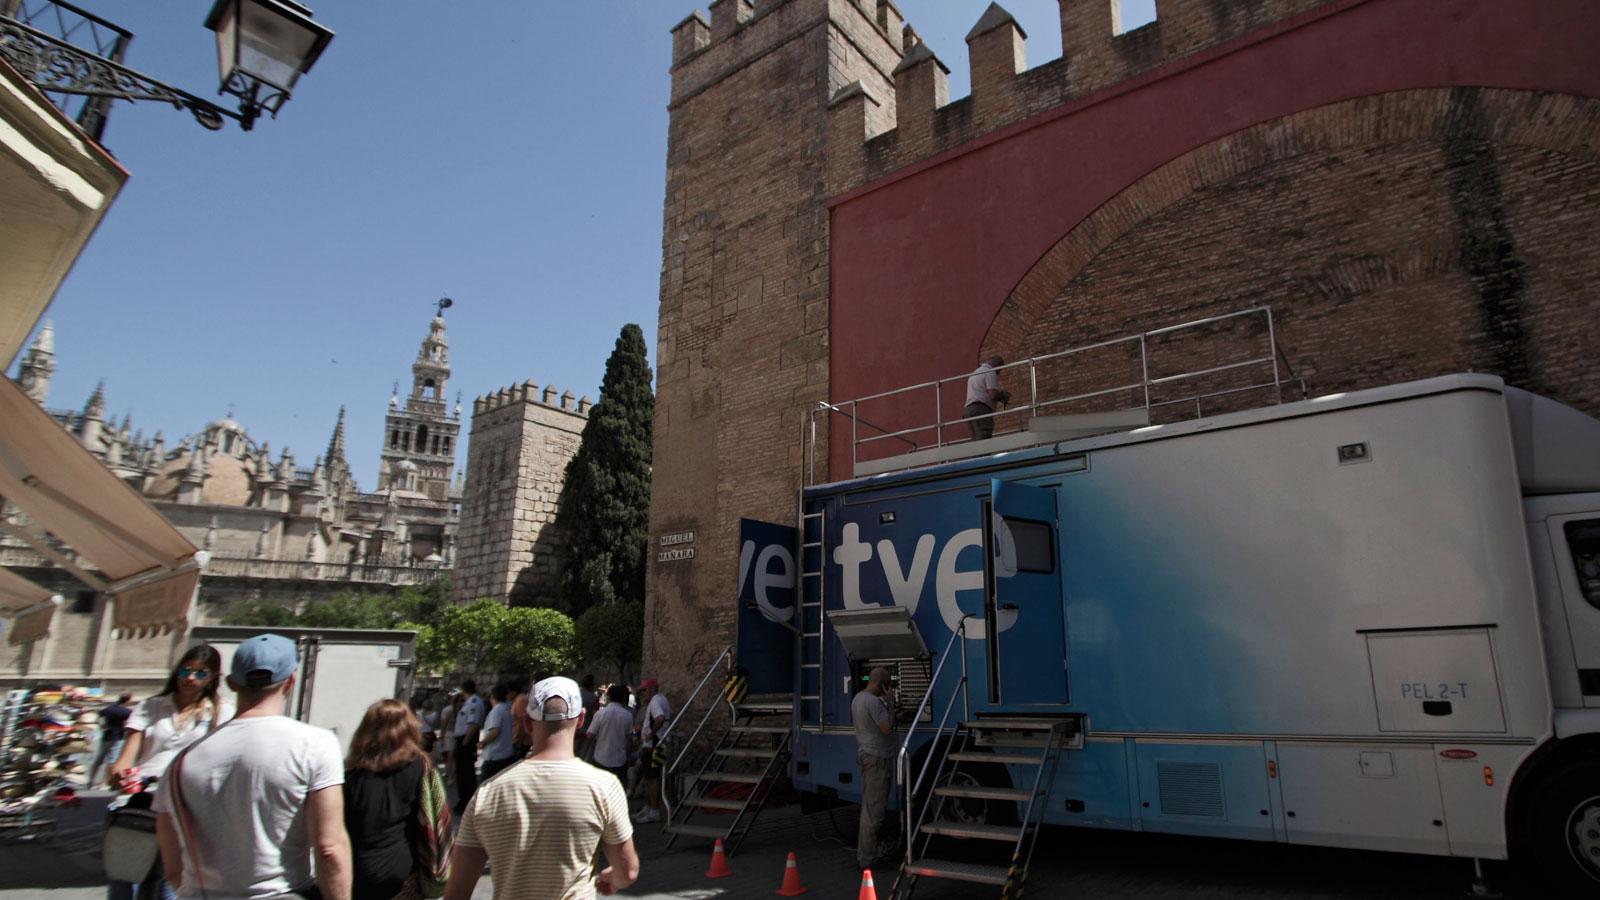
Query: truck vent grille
x,y
1190,789
913,678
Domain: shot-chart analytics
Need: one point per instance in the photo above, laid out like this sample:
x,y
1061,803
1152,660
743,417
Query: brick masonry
x,y
835,226
517,455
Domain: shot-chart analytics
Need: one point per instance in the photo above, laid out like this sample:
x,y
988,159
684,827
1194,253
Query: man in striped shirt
x,y
542,819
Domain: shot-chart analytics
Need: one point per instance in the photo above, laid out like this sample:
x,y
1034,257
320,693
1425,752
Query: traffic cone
x,y
791,879
719,863
868,892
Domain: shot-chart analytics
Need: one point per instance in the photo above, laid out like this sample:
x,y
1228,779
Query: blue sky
x,y
508,155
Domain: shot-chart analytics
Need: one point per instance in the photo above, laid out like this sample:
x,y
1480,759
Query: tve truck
x,y
1364,620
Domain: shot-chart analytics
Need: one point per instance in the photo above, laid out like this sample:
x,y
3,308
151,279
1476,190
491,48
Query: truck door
x,y
1023,617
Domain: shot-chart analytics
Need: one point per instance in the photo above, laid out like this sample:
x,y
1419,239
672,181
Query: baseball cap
x,y
649,684
557,688
264,660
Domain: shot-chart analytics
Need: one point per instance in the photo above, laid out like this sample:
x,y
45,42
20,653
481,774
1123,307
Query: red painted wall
x,y
922,260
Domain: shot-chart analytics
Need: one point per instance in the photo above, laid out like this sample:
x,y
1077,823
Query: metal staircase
x,y
964,797
746,762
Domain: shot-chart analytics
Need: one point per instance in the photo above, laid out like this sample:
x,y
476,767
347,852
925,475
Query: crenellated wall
x,y
521,440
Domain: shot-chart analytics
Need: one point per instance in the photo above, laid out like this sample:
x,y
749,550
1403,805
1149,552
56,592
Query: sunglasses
x,y
197,674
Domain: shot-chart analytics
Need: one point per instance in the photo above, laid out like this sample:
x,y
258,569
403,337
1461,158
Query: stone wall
x,y
517,454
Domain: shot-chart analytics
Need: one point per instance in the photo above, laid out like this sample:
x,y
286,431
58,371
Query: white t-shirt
x,y
470,714
447,728
610,730
658,708
980,383
157,719
245,789
499,748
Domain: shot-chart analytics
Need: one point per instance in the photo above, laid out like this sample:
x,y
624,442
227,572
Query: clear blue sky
x,y
508,155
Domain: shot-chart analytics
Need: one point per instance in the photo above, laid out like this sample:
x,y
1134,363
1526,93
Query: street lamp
x,y
263,47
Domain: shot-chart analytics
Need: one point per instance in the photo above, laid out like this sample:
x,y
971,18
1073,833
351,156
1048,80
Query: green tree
x,y
422,604
612,633
487,636
605,505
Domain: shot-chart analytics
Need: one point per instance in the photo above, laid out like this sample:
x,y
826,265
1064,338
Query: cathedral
x,y
276,529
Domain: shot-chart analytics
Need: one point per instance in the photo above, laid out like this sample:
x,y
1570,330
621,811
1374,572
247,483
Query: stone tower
x,y
743,341
40,363
508,547
422,433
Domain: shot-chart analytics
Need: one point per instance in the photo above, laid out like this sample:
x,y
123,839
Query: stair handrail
x,y
660,739
1051,748
902,766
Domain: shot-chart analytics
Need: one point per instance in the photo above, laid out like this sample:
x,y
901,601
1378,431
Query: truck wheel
x,y
1564,830
973,811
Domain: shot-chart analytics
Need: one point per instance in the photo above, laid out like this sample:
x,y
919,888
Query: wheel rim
x,y
1583,836
965,810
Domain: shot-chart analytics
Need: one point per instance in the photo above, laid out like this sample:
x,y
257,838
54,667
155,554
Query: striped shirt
x,y
541,822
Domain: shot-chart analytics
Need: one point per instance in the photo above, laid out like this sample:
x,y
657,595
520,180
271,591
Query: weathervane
x,y
444,304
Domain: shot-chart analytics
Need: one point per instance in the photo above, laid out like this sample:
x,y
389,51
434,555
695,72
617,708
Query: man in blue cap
x,y
256,808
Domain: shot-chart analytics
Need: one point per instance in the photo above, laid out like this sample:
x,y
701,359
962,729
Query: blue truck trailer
x,y
1366,620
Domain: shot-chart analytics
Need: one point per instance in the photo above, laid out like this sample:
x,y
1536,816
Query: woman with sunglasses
x,y
187,709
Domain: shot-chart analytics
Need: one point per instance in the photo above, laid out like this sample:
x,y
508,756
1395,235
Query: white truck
x,y
342,670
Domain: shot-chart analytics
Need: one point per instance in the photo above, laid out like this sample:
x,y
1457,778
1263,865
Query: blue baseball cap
x,y
263,661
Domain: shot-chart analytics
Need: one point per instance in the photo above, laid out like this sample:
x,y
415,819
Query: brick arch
x,y
1466,154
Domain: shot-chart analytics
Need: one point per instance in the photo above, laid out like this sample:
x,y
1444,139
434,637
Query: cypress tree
x,y
605,502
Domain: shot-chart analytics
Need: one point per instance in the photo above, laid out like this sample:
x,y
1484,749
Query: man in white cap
x,y
256,808
540,821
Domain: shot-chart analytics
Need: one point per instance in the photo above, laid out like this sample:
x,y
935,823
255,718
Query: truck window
x,y
1583,539
1035,545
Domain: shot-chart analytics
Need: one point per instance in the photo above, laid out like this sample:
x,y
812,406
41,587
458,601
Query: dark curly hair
x,y
202,656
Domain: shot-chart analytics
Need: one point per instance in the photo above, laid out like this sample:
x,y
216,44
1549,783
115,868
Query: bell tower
x,y
422,433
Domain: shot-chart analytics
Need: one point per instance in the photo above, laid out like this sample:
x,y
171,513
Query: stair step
x,y
1019,759
760,729
768,707
746,753
939,868
999,724
731,777
986,832
1020,795
713,803
705,831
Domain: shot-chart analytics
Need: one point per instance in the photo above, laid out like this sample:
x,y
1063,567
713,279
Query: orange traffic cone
x,y
868,892
791,879
719,863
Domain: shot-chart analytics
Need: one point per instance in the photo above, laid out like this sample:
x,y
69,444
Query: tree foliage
x,y
487,636
613,634
605,506
420,604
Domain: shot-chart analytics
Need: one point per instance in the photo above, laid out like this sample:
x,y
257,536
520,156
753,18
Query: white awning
x,y
65,492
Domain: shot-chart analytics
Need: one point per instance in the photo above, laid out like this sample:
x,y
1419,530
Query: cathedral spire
x,y
40,363
96,407
336,443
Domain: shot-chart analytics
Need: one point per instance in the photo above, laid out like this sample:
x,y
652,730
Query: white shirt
x,y
658,708
499,748
983,380
470,714
447,728
157,719
244,792
610,730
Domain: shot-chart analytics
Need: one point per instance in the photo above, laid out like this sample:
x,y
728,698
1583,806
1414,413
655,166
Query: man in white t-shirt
x,y
983,397
657,712
469,721
610,730
256,808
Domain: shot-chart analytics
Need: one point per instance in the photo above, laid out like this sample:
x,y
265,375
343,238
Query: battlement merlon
x,y
741,32
530,392
920,121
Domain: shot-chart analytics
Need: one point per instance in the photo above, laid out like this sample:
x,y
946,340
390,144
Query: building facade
x,y
275,530
510,549
1409,187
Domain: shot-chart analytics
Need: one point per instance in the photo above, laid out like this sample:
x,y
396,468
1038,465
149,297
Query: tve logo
x,y
906,580
766,568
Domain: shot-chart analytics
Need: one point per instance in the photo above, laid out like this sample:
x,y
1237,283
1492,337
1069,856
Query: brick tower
x,y
517,458
419,446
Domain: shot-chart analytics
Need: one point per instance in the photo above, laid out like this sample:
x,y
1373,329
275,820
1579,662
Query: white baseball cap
x,y
556,688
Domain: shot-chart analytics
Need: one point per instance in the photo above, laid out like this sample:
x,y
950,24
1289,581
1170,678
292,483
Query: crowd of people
x,y
249,802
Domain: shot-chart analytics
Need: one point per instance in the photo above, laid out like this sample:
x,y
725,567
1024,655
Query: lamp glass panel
x,y
272,47
227,42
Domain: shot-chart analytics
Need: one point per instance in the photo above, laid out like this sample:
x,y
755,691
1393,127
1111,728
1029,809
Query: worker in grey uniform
x,y
872,712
